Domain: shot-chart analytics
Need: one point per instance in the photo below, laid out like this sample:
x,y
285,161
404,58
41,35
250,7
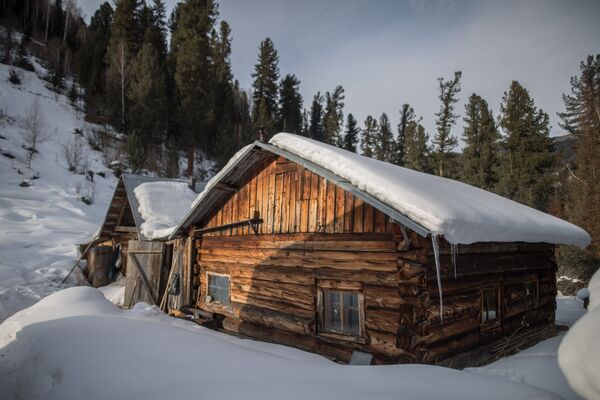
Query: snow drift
x,y
579,353
463,214
76,344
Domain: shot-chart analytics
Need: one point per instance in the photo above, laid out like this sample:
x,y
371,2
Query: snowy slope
x,y
462,213
40,224
75,344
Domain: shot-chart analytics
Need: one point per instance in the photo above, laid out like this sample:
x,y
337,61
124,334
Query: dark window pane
x,y
341,312
218,288
490,305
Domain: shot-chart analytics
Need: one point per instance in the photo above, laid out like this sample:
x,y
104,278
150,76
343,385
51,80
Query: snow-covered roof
x,y
157,204
429,204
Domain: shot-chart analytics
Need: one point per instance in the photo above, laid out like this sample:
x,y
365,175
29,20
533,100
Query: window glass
x,y
531,294
218,288
489,305
341,312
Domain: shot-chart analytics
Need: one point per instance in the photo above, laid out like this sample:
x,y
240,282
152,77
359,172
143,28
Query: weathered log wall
x,y
316,236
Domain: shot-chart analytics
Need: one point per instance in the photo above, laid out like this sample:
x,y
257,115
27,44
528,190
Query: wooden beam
x,y
127,229
251,222
226,187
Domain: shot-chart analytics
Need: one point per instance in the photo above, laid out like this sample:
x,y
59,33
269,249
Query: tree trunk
x,y
190,162
47,22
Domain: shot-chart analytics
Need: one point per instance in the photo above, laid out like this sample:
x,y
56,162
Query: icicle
x,y
453,254
436,254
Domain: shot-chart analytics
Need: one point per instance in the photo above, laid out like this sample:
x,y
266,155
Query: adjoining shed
x,y
141,210
305,244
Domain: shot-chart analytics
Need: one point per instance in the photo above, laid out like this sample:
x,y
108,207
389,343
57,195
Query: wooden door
x,y
179,285
144,260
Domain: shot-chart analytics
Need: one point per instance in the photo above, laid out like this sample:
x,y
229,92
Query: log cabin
x,y
300,243
124,239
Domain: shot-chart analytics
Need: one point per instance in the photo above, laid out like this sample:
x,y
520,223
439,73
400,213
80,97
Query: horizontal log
x,y
385,343
288,274
299,238
286,291
305,262
382,320
338,285
300,309
274,319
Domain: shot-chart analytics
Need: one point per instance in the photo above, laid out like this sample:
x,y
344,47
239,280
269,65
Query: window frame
x,y
213,300
497,319
536,300
321,331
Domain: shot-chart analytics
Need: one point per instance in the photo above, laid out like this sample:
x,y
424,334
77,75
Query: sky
x,y
386,53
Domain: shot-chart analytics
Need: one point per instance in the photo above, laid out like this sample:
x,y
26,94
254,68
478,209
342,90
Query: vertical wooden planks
x,y
340,200
369,219
271,205
322,205
379,222
330,208
348,213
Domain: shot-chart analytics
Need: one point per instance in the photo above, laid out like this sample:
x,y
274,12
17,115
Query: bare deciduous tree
x,y
34,129
73,153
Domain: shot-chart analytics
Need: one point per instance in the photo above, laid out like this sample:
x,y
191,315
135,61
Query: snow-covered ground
x,y
41,224
76,344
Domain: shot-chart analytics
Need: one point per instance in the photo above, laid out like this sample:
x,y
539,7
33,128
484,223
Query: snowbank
x,y
462,213
162,206
76,344
579,353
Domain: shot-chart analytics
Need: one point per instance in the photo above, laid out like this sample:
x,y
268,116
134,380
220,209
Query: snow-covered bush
x,y
14,77
74,154
34,129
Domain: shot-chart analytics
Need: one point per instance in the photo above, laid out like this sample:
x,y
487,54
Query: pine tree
x,y
526,159
480,154
316,130
290,105
582,119
407,115
369,136
225,101
351,134
443,140
305,129
384,140
192,24
265,85
333,117
416,151
148,98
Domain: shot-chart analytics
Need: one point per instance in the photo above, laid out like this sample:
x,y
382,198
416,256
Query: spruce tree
x,y
526,159
384,139
315,129
581,118
407,114
351,134
333,117
480,154
265,86
225,101
416,151
193,75
443,140
369,136
290,105
148,98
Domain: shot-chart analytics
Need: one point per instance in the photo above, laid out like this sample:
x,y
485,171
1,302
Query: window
x,y
489,305
218,288
531,294
341,313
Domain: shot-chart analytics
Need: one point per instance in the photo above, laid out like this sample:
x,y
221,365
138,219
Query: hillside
x,y
42,217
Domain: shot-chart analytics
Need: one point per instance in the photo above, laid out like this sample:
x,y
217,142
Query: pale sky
x,y
386,53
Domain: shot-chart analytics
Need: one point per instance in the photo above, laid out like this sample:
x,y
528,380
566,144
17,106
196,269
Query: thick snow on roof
x,y
460,212
162,205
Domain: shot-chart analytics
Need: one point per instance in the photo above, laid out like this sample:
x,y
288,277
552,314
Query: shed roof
x,y
128,183
426,203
